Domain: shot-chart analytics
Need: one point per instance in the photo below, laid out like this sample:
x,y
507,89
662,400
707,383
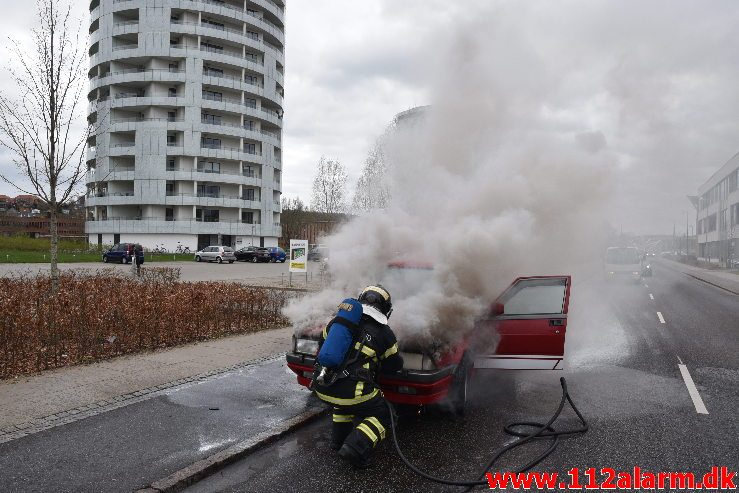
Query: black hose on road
x,y
543,431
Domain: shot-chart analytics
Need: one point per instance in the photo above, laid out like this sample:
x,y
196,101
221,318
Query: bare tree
x,y
372,190
39,126
329,187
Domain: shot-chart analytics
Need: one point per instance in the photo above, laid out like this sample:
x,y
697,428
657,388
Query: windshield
x,y
622,256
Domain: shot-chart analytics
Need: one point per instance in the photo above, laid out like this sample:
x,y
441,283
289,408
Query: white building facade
x,y
718,215
186,102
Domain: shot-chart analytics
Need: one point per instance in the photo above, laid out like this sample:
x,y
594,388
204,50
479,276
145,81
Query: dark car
x,y
253,254
277,254
317,253
123,253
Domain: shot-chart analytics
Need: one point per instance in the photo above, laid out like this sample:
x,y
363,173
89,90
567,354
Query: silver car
x,y
218,254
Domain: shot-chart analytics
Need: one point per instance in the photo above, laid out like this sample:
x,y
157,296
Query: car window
x,y
535,296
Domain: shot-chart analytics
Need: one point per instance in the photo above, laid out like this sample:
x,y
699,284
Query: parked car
x,y
278,254
317,253
216,253
253,254
529,321
123,253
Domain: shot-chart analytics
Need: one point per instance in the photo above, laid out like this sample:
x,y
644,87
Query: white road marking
x,y
678,358
700,408
651,296
661,318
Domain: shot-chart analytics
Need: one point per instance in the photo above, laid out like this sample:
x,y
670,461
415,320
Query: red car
x,y
528,320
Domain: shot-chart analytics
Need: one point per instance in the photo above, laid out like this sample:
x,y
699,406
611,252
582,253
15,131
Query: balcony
x,y
185,226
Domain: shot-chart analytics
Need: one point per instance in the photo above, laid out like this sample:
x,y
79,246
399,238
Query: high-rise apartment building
x,y
186,102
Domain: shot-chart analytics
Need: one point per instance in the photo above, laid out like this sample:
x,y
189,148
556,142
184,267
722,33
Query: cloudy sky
x,y
653,84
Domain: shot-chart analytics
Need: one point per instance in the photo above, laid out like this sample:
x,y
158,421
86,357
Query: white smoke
x,y
491,183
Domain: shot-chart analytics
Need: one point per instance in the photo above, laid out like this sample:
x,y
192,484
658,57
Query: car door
x,y
115,253
527,325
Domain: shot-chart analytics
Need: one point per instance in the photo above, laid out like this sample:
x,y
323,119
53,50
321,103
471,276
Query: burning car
x,y
524,328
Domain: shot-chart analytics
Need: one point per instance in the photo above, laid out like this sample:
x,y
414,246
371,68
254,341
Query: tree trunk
x,y
54,248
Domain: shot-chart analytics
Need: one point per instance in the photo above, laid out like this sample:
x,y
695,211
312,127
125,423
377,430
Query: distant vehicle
x,y
123,253
278,254
216,253
623,263
318,253
253,254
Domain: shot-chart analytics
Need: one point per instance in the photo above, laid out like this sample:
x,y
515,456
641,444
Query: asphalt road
x,y
623,370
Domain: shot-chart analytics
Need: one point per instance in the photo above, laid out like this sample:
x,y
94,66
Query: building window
x,y
210,47
213,24
213,72
251,103
212,191
174,67
172,92
207,215
249,125
209,167
211,119
252,35
213,96
170,189
171,116
249,171
169,214
247,217
248,194
250,148
251,79
211,143
171,165
251,57
171,140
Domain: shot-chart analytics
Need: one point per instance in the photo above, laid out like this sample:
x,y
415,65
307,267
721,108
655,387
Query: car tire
x,y
197,258
105,259
254,260
230,261
124,260
219,260
458,394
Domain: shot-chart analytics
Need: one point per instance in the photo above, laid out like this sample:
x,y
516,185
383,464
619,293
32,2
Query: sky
x,y
652,84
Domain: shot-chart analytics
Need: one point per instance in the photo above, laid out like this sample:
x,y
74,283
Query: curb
x,y
728,290
193,473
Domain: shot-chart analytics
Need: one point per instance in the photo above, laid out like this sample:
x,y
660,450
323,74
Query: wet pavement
x,y
623,373
128,448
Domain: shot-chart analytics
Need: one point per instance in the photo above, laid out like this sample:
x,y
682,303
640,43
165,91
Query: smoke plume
x,y
487,184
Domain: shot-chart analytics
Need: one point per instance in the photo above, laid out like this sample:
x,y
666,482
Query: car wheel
x,y
230,261
124,260
254,260
460,384
105,259
197,258
219,260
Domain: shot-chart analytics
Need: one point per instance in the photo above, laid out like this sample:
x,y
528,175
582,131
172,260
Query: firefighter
x,y
361,418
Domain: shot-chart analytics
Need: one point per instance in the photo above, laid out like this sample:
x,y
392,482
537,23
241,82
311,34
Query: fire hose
x,y
542,431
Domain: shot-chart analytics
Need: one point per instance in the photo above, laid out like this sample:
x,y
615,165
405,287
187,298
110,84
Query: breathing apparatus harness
x,y
541,431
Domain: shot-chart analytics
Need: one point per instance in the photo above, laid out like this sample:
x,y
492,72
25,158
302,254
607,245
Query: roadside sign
x,y
299,256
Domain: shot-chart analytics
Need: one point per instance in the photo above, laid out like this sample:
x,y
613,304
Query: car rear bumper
x,y
414,387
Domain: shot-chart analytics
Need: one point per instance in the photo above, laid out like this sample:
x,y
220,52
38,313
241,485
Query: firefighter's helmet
x,y
378,297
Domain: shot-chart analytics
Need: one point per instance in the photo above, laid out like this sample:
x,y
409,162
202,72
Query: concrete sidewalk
x,y
722,279
35,403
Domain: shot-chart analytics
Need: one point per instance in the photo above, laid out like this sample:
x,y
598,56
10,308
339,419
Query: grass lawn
x,y
31,257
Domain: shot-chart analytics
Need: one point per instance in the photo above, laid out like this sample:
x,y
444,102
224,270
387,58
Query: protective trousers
x,y
360,426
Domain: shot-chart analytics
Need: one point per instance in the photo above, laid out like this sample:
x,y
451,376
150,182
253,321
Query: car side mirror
x,y
497,309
